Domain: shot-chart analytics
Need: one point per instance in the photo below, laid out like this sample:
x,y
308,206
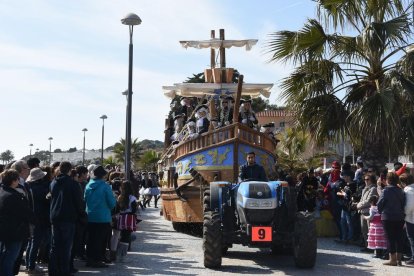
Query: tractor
x,y
256,214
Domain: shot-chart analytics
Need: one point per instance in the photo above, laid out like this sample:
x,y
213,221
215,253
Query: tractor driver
x,y
251,170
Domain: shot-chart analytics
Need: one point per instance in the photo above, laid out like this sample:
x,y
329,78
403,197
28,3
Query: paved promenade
x,y
159,250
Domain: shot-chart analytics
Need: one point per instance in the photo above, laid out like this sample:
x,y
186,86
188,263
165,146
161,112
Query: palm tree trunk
x,y
374,154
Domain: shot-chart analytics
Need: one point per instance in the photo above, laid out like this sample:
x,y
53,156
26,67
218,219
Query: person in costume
x,y
202,122
178,126
269,130
226,112
191,129
376,235
247,115
187,107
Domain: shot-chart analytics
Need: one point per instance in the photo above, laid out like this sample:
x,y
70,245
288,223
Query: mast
x,y
212,52
222,57
235,119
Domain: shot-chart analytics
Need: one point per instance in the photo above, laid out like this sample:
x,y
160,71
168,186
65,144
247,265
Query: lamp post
x,y
30,154
50,150
83,153
103,117
131,20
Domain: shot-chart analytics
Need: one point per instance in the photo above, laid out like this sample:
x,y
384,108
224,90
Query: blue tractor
x,y
256,214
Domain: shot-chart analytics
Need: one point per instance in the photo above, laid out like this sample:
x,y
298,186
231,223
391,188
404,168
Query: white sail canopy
x,y
217,43
253,90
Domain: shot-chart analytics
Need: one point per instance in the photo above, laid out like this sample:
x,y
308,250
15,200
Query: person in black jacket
x,y
251,170
15,216
391,207
66,207
40,206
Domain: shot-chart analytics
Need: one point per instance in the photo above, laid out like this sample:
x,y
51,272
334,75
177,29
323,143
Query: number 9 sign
x,y
261,234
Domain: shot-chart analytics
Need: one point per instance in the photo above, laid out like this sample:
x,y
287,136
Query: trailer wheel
x,y
304,240
212,244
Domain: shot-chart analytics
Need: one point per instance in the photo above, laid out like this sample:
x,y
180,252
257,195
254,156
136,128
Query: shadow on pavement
x,y
326,264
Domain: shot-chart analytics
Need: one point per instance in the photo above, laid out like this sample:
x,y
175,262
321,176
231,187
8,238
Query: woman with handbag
x,y
127,220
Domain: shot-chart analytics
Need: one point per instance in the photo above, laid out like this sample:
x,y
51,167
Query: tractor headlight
x,y
253,204
265,203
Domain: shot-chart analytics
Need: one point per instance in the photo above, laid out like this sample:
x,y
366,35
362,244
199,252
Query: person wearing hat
x,y
202,122
191,134
187,107
99,203
178,126
91,167
146,184
66,208
40,208
269,129
247,115
214,123
155,190
226,111
310,189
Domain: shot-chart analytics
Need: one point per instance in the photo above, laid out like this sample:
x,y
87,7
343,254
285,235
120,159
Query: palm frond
x,y
307,43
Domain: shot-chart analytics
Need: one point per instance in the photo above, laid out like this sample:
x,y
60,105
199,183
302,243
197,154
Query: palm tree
x,y
110,161
294,154
119,150
6,156
149,160
359,85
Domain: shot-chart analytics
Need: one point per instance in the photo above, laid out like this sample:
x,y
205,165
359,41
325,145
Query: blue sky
x,y
65,63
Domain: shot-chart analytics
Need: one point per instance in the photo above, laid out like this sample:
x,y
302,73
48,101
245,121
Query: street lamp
x,y
131,20
30,154
50,150
83,155
103,117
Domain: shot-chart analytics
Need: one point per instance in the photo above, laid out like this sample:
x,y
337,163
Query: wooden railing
x,y
225,135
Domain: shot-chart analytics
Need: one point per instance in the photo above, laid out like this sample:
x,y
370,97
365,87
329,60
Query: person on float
x,y
269,130
202,122
225,117
187,107
246,114
178,126
191,129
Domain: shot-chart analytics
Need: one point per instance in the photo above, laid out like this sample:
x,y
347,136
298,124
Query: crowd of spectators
x,y
362,206
55,214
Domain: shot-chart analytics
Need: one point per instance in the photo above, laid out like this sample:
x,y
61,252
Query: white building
x,y
76,157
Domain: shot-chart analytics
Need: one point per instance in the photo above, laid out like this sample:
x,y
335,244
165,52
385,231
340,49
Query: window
x,y
282,124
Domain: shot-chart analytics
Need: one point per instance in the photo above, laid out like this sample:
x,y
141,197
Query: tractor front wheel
x,y
212,244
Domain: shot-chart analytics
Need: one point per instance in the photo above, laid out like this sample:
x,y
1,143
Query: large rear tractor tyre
x,y
305,240
212,244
